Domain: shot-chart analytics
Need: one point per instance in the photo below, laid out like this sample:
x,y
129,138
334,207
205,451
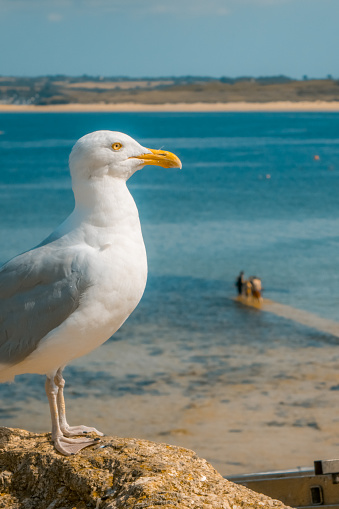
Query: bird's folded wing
x,y
38,291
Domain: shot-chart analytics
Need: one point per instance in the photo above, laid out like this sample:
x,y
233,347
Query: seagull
x,y
68,295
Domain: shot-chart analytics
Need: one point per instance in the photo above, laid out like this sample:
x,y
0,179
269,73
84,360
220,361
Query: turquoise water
x,y
250,197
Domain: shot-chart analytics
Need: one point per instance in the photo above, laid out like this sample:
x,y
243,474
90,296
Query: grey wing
x,y
38,291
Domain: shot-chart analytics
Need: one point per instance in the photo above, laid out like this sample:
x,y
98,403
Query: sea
x,y
258,192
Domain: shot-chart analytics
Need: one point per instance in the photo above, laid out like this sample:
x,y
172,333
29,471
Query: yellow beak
x,y
160,158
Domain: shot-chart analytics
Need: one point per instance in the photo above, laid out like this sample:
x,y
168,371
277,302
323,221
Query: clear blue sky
x,y
169,37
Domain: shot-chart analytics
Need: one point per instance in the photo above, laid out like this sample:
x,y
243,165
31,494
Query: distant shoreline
x,y
276,106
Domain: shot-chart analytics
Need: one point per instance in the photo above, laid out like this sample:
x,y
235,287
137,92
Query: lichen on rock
x,y
118,473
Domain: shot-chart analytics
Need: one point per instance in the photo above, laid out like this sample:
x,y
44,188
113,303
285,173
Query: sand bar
x,y
298,315
277,106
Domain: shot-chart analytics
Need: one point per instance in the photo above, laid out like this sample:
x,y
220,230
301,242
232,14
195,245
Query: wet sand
x,y
298,315
245,407
177,107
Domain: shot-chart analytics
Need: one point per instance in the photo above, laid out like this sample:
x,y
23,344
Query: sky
x,y
153,38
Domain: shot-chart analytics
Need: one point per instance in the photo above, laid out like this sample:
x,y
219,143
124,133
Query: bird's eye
x,y
116,146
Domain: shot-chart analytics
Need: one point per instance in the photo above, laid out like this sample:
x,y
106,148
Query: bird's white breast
x,y
113,258
118,271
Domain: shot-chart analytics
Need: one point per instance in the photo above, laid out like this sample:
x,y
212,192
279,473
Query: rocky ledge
x,y
117,473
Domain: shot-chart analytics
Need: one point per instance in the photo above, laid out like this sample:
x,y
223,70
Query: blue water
x,y
250,196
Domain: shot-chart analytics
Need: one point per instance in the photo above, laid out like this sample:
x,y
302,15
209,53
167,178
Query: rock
x,y
118,473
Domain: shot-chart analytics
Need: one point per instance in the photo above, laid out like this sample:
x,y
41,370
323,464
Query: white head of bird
x,y
113,154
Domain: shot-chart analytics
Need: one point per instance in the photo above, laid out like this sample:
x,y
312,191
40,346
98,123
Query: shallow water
x,y
250,197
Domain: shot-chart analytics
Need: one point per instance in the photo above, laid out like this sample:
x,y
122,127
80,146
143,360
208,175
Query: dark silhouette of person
x,y
239,282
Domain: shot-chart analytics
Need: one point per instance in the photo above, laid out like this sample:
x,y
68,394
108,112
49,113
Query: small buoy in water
x,y
268,176
316,158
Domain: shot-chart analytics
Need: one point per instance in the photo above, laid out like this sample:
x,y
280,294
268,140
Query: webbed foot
x,y
70,446
71,431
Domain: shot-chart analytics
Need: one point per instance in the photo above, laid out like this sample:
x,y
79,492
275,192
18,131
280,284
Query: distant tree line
x,y
62,89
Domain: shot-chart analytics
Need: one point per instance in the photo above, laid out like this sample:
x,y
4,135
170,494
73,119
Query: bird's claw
x,y
70,446
71,431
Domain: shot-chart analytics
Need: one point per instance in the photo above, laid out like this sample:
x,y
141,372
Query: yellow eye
x,y
116,146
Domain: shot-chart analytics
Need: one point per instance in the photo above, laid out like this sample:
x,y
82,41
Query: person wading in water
x,y
239,282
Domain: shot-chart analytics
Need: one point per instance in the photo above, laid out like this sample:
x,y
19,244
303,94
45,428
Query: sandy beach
x,y
277,106
262,408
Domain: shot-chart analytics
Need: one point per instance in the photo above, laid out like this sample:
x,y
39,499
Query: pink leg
x,y
67,430
66,446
